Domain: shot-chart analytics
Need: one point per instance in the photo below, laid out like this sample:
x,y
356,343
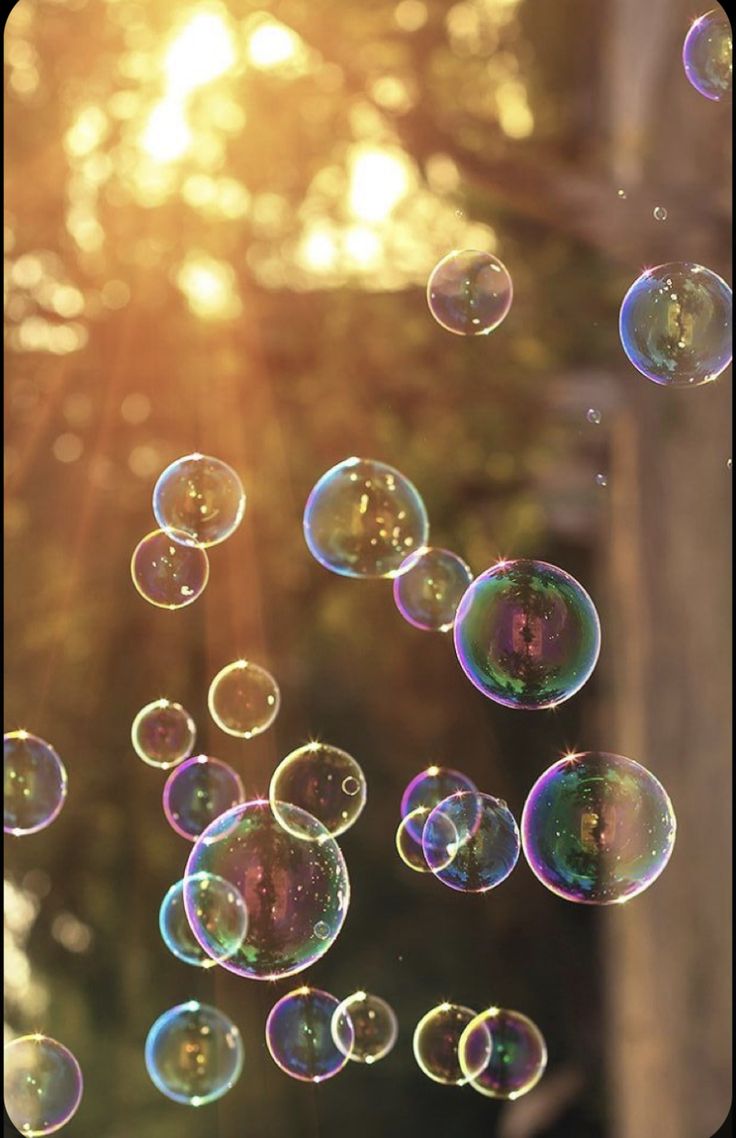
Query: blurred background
x,y
219,223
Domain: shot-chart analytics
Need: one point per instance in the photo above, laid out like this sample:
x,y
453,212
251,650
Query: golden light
x,y
515,118
363,246
209,286
203,50
271,44
167,135
318,250
87,131
379,179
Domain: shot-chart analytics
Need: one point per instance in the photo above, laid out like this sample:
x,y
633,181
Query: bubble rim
x,y
361,796
478,253
156,703
498,802
151,1038
179,886
305,990
342,1010
242,665
480,1019
21,832
404,571
38,1038
200,760
184,545
196,456
422,1023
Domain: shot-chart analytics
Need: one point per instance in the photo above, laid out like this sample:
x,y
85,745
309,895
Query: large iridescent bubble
x,y
436,1041
527,634
430,587
597,828
427,789
163,734
471,842
199,497
299,1035
469,293
34,783
364,1027
296,889
707,55
363,518
197,792
222,920
323,780
167,571
502,1053
243,699
194,1053
42,1084
675,324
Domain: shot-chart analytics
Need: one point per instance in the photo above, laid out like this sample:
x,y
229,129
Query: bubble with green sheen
x,y
163,734
34,783
527,634
430,587
471,842
243,699
363,518
197,792
469,293
597,828
194,1053
42,1084
201,497
675,324
323,780
707,55
364,1027
296,889
299,1035
427,789
222,920
436,1041
502,1054
168,572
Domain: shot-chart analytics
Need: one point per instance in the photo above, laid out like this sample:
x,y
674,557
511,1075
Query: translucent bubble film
x,y
42,1084
471,842
220,913
428,591
364,1027
168,571
194,1053
436,1041
502,1054
707,55
163,734
198,791
469,293
244,699
325,781
299,1035
34,782
199,497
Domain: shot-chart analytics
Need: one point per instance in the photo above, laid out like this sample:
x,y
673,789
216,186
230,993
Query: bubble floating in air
x,y
436,1041
199,500
427,789
299,1035
163,734
502,1054
325,781
197,792
364,1027
469,293
194,1053
244,699
707,55
471,842
34,781
221,918
429,588
168,572
42,1084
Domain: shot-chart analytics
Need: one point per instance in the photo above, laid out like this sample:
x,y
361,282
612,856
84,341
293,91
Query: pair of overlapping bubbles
x,y
468,840
311,1035
499,1053
198,502
34,784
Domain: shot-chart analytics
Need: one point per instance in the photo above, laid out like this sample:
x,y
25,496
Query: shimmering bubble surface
x,y
163,734
296,889
597,828
659,213
593,416
427,789
408,847
527,634
167,572
601,480
323,780
244,699
363,518
471,842
194,1053
35,783
299,1035
364,1027
675,324
707,55
200,497
502,1053
42,1084
429,588
221,917
469,293
197,792
436,1041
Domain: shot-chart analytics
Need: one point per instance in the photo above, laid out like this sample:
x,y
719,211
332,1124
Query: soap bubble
x,y
675,324
222,920
707,55
200,497
436,1042
194,1053
167,572
428,789
292,886
621,194
42,1084
197,792
593,416
597,828
163,734
363,518
469,293
299,1035
502,1054
527,634
471,842
34,781
364,1027
601,480
243,699
324,781
659,213
429,588
410,848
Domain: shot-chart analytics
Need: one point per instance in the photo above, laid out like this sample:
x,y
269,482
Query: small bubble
x,y
459,214
321,930
729,464
621,194
351,786
593,416
660,213
601,480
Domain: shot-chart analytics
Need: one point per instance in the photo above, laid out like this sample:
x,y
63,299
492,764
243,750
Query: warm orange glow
x,y
272,44
379,179
167,135
202,51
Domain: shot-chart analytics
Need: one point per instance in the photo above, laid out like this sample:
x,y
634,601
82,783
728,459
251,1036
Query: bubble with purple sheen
x,y
194,1053
168,572
197,792
364,1027
295,888
428,789
221,919
707,55
199,497
471,842
502,1054
527,634
299,1035
429,588
469,293
42,1084
34,781
436,1041
597,828
163,734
